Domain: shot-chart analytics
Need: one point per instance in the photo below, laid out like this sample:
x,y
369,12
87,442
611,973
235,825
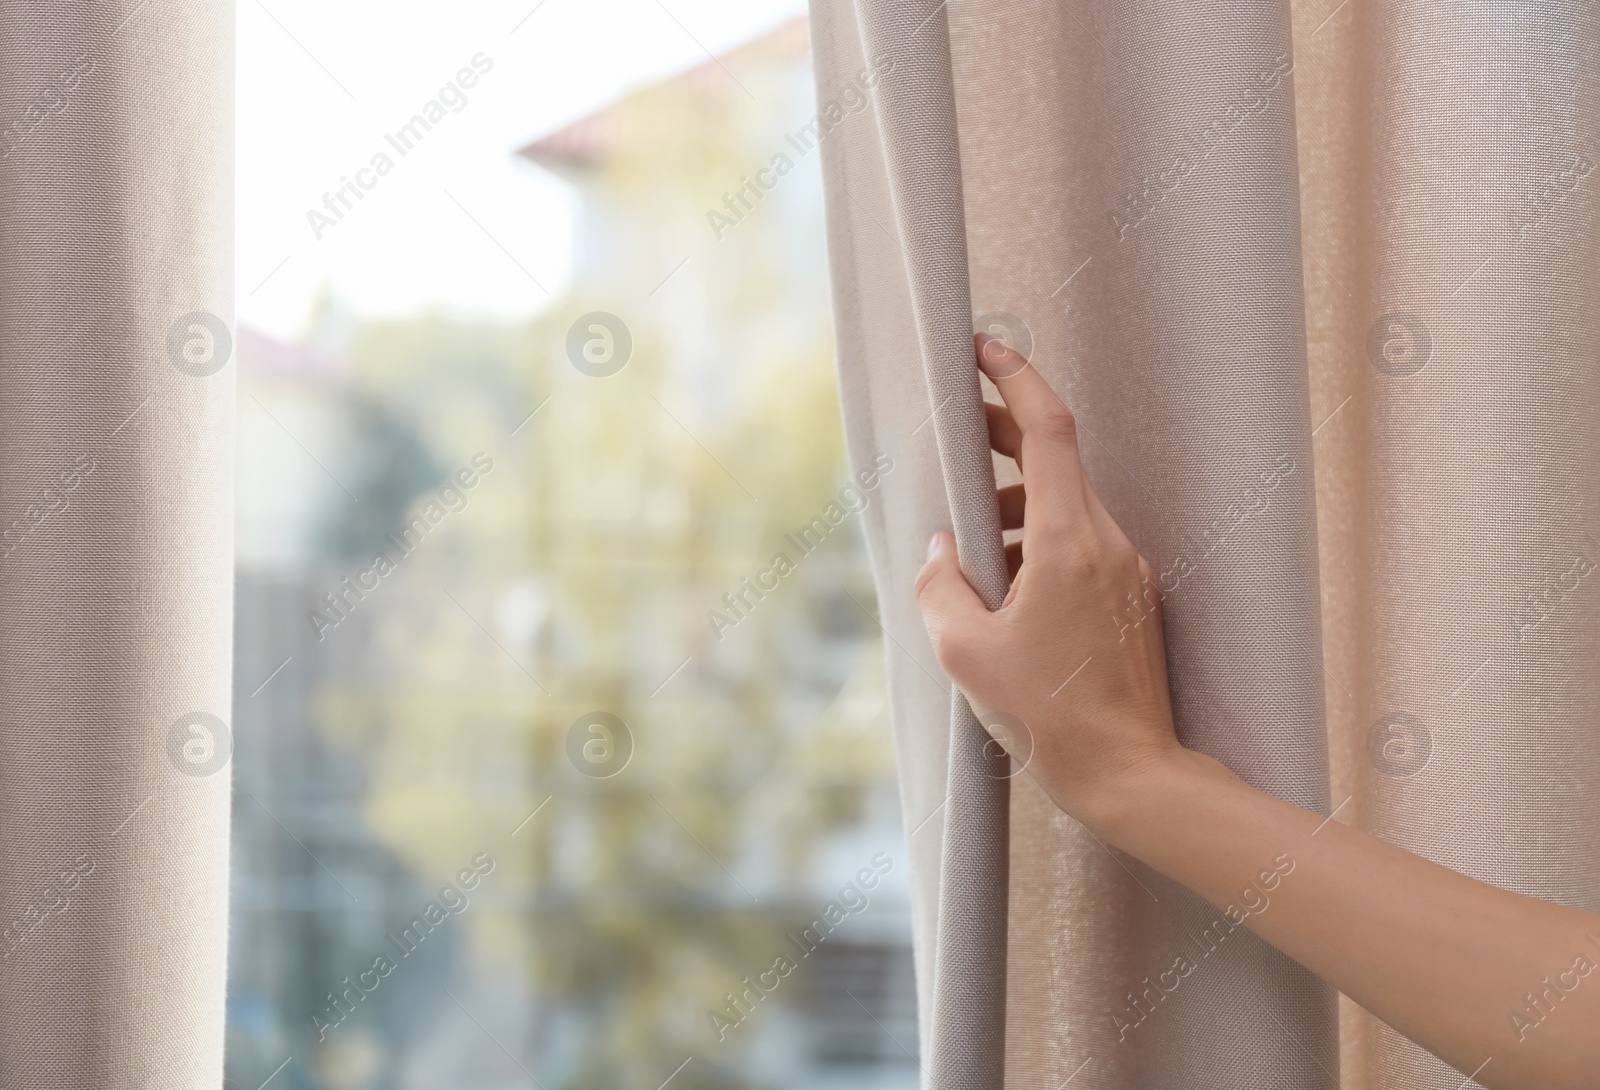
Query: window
x,y
560,713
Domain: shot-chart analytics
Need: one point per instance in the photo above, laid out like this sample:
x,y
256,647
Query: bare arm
x,y
1501,986
1496,984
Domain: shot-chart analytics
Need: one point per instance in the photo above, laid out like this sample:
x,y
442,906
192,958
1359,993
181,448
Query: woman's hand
x,y
1075,654
1492,982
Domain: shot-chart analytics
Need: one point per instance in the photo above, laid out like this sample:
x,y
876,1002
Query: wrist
x,y
1150,794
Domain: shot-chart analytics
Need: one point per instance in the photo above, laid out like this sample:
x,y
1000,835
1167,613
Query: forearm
x,y
1501,986
1441,957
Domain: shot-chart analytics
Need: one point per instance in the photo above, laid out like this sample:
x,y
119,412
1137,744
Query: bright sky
x,y
322,83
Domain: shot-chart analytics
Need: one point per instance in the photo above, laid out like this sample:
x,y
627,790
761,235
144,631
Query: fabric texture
x,y
116,541
918,130
1318,281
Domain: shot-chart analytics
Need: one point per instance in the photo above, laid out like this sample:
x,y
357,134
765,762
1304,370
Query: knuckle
x,y
1093,560
953,649
923,589
1057,423
1123,557
1074,563
1147,574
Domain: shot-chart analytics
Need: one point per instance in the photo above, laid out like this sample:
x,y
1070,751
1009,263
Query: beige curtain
x,y
116,479
1318,279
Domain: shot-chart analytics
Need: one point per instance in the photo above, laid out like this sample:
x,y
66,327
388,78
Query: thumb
x,y
955,615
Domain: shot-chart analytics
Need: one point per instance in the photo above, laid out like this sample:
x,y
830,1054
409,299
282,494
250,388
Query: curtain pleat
x,y
1165,303
116,477
917,124
1447,156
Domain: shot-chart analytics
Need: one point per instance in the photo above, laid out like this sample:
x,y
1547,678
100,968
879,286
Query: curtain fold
x,y
116,534
917,127
1447,157
1232,237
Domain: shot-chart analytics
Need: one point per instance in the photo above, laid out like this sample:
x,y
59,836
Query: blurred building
x,y
436,719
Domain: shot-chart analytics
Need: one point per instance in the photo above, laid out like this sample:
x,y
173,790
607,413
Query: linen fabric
x,y
1317,280
116,541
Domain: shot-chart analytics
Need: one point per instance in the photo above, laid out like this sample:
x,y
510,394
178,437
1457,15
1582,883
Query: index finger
x,y
1051,468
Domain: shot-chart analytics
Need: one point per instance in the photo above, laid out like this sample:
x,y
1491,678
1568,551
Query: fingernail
x,y
995,358
935,543
988,346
